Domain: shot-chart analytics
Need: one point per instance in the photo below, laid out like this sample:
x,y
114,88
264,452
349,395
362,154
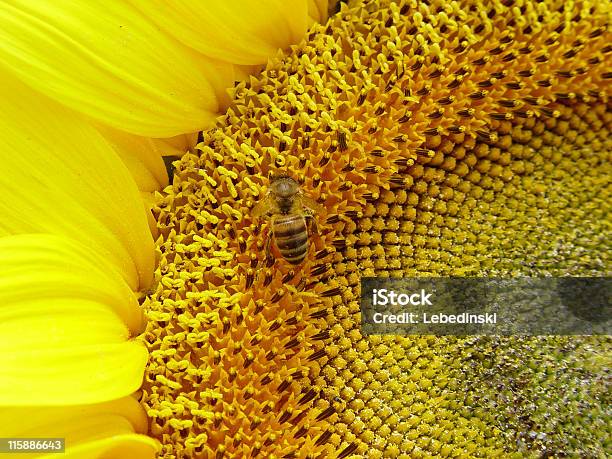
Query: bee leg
x,y
269,255
313,228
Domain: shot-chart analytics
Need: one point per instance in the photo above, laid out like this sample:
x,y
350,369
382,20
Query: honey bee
x,y
291,215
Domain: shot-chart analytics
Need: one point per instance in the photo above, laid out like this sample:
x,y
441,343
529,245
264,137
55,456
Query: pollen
x,y
438,138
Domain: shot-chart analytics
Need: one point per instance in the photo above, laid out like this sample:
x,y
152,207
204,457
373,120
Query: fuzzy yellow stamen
x,y
461,138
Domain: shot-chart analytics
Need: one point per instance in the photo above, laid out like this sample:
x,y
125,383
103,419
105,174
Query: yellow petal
x,y
104,430
245,32
142,156
64,373
108,61
23,421
317,9
148,201
62,177
180,143
62,348
41,267
64,339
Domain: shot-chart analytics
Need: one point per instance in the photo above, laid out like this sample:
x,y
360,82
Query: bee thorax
x,y
284,205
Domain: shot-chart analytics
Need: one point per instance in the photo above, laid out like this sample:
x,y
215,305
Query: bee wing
x,y
262,207
310,203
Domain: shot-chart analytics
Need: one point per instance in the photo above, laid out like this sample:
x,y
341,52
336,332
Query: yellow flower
x,y
440,138
92,94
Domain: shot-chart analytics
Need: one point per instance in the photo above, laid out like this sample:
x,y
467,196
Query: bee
x,y
291,215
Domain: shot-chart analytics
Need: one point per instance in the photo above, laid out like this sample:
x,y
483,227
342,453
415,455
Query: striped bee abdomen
x,y
291,235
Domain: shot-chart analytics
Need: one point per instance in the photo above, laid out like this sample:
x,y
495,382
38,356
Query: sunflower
x,y
456,138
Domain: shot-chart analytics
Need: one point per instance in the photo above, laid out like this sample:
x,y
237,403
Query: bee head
x,y
284,188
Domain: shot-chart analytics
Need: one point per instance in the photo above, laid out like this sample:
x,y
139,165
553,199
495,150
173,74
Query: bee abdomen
x,y
291,235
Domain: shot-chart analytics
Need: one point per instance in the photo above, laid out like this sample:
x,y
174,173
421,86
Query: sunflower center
x,y
465,140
